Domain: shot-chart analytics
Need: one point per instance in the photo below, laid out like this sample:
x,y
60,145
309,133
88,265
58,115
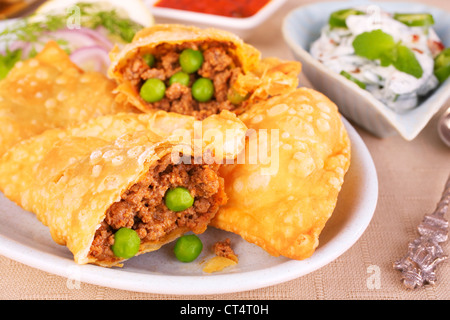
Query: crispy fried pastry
x,y
88,181
238,74
49,91
297,154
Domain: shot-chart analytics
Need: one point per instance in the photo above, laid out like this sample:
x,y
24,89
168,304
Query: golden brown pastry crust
x,y
282,206
70,177
260,78
148,39
49,91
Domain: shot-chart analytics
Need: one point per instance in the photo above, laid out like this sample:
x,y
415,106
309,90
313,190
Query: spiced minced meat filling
x,y
218,66
142,206
223,249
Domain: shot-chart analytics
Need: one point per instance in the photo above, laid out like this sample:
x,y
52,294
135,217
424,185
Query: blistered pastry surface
x,y
281,202
49,91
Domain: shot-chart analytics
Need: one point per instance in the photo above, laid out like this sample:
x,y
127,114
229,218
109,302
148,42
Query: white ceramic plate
x,y
23,238
243,27
302,26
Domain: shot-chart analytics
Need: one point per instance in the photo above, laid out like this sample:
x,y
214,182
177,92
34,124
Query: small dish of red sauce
x,y
227,8
241,17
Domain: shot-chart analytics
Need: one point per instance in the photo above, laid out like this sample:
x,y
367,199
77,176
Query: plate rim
x,y
210,283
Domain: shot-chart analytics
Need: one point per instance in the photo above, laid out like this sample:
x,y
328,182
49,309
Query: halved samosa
x,y
113,173
196,71
285,188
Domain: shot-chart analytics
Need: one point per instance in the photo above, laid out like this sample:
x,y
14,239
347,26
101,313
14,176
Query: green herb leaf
x,y
378,45
407,62
110,20
372,44
8,60
388,57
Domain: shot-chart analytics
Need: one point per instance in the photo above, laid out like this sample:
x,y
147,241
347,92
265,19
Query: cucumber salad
x,y
397,57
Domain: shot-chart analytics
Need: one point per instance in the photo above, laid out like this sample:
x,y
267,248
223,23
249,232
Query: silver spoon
x,y
425,252
444,127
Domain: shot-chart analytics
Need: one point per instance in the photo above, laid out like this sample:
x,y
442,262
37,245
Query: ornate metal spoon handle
x,y
425,253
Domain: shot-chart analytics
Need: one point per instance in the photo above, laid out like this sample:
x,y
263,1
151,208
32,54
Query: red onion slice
x,y
75,39
98,37
91,58
78,38
89,48
25,46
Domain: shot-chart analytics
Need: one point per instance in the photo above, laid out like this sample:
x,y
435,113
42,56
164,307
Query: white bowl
x,y
302,26
243,27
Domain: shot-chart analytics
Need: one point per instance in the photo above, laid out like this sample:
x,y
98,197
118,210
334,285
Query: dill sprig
x,y
111,20
30,29
8,61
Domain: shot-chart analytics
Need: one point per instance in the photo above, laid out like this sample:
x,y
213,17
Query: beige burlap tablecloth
x,y
411,180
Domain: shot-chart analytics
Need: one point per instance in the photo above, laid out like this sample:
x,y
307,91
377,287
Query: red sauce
x,y
228,8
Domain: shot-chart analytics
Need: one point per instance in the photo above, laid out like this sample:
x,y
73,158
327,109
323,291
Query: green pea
x,y
191,60
153,90
149,59
235,98
126,243
188,248
180,77
203,89
178,199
